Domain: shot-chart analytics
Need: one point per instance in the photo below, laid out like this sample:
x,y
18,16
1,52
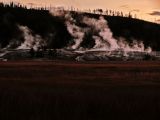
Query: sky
x,y
144,9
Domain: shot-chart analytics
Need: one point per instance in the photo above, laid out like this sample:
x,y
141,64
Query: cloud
x,y
124,6
135,10
31,4
155,13
158,20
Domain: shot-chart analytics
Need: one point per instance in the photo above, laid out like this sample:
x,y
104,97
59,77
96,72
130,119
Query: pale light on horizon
x,y
141,8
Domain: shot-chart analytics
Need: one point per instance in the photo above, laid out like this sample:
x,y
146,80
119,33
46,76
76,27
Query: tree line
x,y
100,11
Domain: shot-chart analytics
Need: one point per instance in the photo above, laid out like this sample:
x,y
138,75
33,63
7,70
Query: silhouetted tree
x,y
121,14
110,13
106,12
100,11
129,15
94,11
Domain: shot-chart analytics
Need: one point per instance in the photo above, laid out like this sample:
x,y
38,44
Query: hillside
x,y
38,21
131,28
53,29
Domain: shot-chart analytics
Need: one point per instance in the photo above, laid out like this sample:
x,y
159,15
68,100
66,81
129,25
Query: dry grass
x,y
49,90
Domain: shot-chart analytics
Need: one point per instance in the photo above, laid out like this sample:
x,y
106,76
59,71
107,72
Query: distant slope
x,y
54,30
39,21
148,32
131,28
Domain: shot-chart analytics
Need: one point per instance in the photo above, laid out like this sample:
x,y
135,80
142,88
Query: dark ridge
x,y
39,21
131,28
54,30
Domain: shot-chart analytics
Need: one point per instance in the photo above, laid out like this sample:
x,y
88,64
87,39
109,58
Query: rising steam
x,y
77,33
104,46
30,40
102,36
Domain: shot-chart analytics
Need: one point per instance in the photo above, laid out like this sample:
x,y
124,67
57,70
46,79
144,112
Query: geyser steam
x,y
30,40
102,36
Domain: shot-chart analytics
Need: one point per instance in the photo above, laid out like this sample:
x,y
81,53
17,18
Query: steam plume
x,y
102,36
104,39
76,32
30,40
